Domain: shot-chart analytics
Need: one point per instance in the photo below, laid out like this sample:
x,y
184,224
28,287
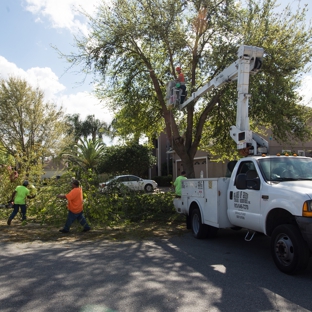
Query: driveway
x,y
177,274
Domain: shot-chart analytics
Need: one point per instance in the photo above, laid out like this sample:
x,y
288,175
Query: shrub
x,y
105,209
164,180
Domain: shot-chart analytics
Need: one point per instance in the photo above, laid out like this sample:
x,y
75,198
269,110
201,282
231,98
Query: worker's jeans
x,y
15,211
71,217
183,88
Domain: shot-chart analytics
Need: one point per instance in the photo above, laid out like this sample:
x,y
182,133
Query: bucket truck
x,y
262,194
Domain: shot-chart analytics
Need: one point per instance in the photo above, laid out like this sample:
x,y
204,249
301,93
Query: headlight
x,y
307,209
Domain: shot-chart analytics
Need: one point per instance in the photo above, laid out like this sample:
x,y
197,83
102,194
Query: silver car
x,y
130,181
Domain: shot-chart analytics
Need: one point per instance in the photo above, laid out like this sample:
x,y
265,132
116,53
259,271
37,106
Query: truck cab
x,y
264,194
266,191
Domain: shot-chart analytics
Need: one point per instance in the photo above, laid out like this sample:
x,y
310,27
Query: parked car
x,y
130,181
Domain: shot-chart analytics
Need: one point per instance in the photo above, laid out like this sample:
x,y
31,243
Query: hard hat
x,y
178,68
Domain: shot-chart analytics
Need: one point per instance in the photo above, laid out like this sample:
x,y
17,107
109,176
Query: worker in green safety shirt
x,y
178,183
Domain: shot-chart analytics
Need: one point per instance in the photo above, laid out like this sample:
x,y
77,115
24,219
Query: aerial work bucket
x,y
173,94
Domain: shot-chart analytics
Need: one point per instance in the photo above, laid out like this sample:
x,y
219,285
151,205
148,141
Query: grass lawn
x,y
31,231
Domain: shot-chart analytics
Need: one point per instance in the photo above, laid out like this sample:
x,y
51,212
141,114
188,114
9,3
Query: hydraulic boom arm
x,y
249,62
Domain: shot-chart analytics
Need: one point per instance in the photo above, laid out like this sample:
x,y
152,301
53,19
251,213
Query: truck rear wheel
x,y
199,230
289,251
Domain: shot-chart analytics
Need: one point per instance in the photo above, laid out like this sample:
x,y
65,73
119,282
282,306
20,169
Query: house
x,y
53,168
209,168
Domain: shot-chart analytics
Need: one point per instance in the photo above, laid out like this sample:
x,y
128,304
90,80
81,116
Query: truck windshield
x,y
286,168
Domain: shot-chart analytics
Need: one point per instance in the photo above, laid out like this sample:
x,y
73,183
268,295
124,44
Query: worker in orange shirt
x,y
75,207
181,84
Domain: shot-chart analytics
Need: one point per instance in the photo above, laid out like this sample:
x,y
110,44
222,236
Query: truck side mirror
x,y
240,181
252,180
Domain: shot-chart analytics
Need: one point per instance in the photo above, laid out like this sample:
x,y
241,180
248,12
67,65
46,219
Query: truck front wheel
x,y
199,230
290,252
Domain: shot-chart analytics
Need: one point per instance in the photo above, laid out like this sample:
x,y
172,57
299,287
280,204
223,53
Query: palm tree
x,y
85,154
74,126
94,127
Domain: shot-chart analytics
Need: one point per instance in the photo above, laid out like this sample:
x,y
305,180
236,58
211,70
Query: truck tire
x,y
289,251
199,230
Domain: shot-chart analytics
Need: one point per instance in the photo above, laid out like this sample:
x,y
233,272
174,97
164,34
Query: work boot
x,y
9,221
63,231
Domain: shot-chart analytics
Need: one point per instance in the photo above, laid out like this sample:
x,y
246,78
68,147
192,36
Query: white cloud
x,y
82,103
44,78
62,13
306,90
10,69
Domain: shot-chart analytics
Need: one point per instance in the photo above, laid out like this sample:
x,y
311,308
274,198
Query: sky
x,y
30,29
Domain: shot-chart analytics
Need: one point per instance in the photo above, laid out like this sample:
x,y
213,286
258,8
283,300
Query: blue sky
x,y
28,30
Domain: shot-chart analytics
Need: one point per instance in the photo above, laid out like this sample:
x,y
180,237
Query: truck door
x,y
244,197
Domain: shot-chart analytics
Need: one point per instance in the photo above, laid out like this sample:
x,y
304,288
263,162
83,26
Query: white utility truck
x,y
261,193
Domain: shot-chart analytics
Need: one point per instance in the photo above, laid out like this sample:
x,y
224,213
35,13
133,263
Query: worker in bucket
x,y
180,84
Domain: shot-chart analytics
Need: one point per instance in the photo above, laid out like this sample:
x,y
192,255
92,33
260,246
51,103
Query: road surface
x,y
180,274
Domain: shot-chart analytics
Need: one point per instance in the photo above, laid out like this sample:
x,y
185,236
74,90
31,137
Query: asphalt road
x,y
178,274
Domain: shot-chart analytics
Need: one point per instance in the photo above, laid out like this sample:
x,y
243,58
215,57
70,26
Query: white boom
x,y
249,62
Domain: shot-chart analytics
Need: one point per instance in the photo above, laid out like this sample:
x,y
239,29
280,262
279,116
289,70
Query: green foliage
x,y
78,129
74,126
105,209
163,180
132,206
128,159
85,154
134,56
94,127
47,208
6,186
280,34
149,207
30,129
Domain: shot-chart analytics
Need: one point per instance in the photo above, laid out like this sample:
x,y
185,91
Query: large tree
x,y
135,45
91,126
30,128
74,126
94,127
131,158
